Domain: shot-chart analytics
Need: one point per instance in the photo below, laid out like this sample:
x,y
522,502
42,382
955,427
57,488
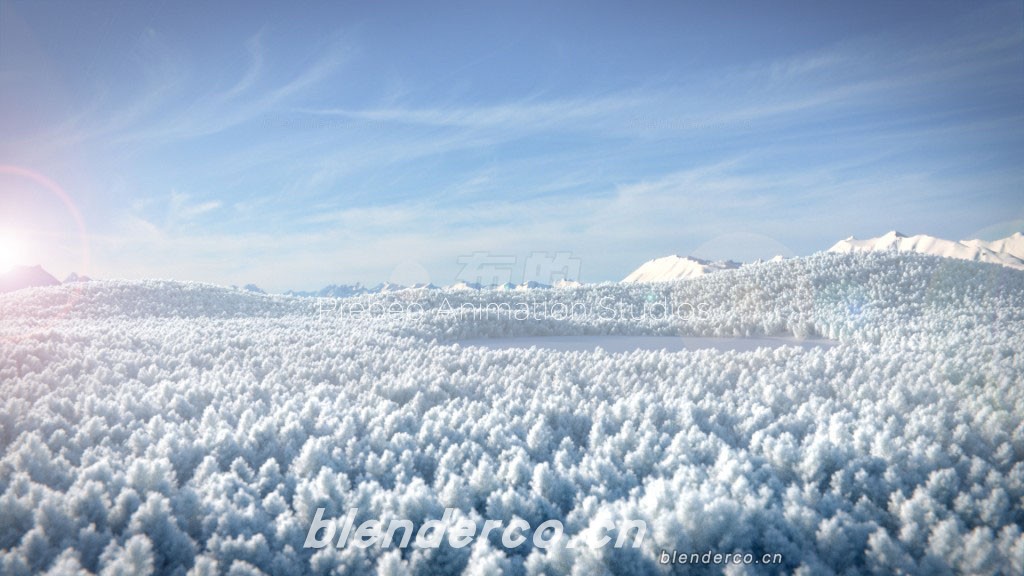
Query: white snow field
x,y
171,428
615,343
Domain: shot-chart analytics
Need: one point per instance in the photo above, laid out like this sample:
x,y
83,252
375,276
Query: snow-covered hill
x,y
186,428
1007,252
671,268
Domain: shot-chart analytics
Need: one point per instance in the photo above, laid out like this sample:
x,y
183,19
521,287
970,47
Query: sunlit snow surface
x,y
184,428
611,343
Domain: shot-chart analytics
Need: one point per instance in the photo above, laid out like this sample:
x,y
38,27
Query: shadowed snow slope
x,y
162,427
1007,252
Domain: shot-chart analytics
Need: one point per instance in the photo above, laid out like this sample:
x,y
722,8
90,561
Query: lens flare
x,y
10,252
11,247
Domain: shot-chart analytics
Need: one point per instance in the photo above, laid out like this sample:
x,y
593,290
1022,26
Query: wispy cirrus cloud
x,y
343,147
522,114
208,115
167,108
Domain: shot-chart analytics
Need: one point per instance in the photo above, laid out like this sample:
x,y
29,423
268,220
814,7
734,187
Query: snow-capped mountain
x,y
677,268
347,290
75,277
465,286
1012,245
1007,252
357,289
532,285
385,287
26,277
331,291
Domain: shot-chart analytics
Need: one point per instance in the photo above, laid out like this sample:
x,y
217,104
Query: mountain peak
x,y
76,277
26,277
675,267
1007,252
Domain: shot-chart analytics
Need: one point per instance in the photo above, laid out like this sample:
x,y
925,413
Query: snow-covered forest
x,y
175,428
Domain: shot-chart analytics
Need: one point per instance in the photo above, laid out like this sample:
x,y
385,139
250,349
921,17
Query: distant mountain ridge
x,y
1012,245
348,290
1007,252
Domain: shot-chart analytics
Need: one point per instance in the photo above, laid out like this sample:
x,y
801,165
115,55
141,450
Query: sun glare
x,y
10,252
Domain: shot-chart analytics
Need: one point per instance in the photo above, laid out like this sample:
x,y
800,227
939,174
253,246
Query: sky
x,y
341,142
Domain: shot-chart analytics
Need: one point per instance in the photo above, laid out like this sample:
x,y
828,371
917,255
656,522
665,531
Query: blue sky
x,y
356,141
